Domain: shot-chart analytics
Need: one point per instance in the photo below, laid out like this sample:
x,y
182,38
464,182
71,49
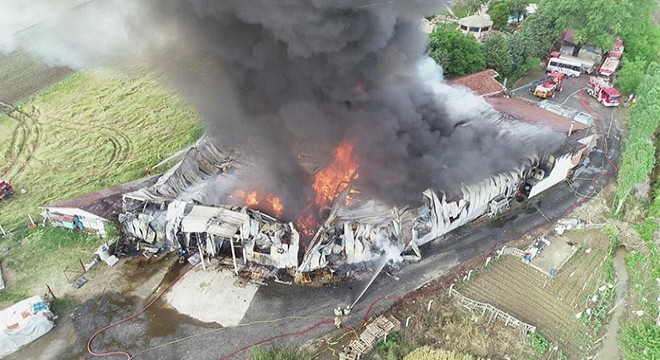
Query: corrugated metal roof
x,y
212,220
106,203
531,114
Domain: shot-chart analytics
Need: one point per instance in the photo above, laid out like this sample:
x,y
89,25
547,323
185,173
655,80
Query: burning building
x,y
342,225
332,136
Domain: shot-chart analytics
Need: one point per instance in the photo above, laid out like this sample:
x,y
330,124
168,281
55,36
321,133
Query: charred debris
x,y
201,206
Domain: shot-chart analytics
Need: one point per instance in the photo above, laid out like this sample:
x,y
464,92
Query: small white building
x,y
478,25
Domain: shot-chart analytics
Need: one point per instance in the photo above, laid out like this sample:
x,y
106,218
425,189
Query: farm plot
x,y
91,131
548,303
22,75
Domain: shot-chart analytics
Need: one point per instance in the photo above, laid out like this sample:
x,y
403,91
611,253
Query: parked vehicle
x,y
603,91
6,189
611,63
608,68
617,50
548,87
569,65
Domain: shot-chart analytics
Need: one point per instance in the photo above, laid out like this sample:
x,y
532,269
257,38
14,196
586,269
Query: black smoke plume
x,y
296,77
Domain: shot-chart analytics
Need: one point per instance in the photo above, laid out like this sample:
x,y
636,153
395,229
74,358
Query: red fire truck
x,y
611,63
548,86
617,50
603,92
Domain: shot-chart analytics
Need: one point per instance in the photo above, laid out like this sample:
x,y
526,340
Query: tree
x,y
518,8
457,53
499,14
497,50
596,22
473,6
631,74
521,45
541,30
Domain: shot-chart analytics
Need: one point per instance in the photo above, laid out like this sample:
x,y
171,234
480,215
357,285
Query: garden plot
x,y
22,76
551,304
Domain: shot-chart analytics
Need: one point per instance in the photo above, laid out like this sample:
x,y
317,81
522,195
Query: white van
x,y
568,67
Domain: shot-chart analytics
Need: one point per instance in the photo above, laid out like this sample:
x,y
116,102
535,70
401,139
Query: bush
x,y
641,341
538,343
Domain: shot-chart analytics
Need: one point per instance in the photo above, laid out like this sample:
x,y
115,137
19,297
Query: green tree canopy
x,y
472,6
518,8
497,50
596,22
499,14
631,74
522,47
457,53
541,30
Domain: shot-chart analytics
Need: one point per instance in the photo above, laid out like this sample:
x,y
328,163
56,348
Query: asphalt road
x,y
278,301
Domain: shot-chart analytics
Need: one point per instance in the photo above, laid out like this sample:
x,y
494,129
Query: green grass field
x,y
93,130
33,258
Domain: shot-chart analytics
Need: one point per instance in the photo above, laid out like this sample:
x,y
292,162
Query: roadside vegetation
x,y
638,157
634,203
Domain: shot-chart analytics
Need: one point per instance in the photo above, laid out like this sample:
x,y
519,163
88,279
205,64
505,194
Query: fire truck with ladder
x,y
5,189
603,91
547,87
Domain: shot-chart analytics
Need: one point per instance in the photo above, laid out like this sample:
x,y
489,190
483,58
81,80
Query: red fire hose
x,y
98,332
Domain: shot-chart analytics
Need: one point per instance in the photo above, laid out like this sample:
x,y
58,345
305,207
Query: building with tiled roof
x,y
482,83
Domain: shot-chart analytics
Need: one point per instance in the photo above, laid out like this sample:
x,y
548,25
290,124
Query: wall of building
x,y
558,174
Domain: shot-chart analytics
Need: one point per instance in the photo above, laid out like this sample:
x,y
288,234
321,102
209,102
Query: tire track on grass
x,y
22,148
27,134
121,145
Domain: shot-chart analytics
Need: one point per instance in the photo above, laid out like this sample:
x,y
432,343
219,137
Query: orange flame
x,y
276,205
270,203
334,178
328,183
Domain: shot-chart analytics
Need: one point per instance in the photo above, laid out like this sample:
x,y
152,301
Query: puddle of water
x,y
164,320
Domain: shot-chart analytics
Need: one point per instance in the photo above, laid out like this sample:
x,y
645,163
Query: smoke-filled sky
x,y
290,76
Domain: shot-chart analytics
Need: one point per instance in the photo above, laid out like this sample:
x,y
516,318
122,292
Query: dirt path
x,y
610,349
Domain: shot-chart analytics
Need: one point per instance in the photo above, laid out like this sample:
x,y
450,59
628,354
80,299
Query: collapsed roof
x,y
176,209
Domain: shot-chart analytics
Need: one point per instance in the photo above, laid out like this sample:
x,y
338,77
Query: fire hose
x,y
100,331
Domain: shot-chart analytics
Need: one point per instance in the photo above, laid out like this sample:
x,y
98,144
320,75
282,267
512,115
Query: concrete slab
x,y
554,255
211,296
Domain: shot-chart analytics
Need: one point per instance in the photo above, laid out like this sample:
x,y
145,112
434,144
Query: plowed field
x,y
550,304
